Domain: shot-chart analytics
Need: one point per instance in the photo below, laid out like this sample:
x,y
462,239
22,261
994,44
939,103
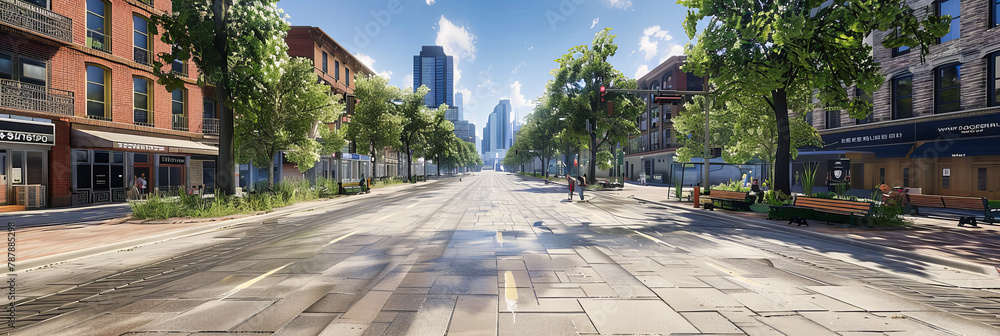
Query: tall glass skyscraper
x,y
435,70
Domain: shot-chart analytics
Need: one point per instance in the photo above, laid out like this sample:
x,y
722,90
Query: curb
x,y
50,260
939,260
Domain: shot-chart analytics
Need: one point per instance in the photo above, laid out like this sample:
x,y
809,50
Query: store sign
x,y
871,137
173,160
22,132
140,147
946,172
840,170
978,126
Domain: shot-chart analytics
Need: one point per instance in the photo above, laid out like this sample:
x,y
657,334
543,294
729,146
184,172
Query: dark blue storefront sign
x,y
869,137
978,126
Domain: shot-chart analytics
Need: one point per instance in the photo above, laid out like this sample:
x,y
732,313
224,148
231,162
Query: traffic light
x,y
604,91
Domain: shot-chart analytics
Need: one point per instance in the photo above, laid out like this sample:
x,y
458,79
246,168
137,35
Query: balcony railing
x,y
32,97
180,68
142,56
142,118
210,126
98,40
147,2
97,117
180,123
36,19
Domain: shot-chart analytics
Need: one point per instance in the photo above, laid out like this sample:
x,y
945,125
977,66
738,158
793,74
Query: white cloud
x,y
367,60
386,74
650,41
592,25
467,100
458,43
641,71
621,4
430,2
521,105
408,80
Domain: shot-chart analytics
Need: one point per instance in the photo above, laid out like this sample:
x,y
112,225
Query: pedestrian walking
x,y
642,179
755,187
569,178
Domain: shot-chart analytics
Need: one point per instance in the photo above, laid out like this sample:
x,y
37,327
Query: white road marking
x,y
341,238
652,238
725,270
380,219
247,284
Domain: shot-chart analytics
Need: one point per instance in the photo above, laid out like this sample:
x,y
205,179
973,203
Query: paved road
x,y
498,255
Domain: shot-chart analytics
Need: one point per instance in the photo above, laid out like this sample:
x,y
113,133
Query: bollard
x,y
697,194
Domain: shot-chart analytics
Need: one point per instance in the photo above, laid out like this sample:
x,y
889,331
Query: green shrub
x,y
809,177
184,205
776,198
825,195
732,186
888,215
678,188
995,204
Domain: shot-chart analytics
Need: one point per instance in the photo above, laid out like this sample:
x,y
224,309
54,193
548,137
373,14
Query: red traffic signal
x,y
603,92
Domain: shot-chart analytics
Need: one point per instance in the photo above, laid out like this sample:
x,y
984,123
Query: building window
x,y
39,3
178,110
953,8
995,17
902,96
868,98
141,101
981,179
993,79
947,90
347,75
97,92
903,50
881,175
97,25
140,41
6,66
336,69
33,71
945,182
906,177
324,62
209,109
832,119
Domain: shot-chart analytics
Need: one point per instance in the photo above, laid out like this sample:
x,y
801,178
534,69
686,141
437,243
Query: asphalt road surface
x,y
499,255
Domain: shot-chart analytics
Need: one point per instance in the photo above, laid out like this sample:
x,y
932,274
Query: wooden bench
x,y
354,186
728,199
967,209
826,207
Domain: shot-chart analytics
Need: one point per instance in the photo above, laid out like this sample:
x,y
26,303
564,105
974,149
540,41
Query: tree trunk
x,y
783,155
409,163
225,170
270,173
437,163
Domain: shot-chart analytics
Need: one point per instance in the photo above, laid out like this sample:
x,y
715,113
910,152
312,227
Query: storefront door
x,y
985,180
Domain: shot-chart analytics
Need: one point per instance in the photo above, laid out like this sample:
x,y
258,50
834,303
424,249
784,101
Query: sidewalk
x,y
55,235
926,237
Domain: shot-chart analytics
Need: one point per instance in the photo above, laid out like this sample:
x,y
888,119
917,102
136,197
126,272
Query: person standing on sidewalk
x,y
583,185
569,178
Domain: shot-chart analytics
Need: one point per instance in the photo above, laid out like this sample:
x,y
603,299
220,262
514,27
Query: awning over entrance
x,y
126,142
959,148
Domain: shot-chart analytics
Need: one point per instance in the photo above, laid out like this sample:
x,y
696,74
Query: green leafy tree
x,y
441,138
416,120
768,48
376,124
575,91
234,44
288,116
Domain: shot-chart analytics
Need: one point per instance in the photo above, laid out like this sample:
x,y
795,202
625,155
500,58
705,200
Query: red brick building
x,y
78,96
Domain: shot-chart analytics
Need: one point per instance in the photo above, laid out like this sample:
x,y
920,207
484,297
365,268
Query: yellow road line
x,y
247,284
499,237
341,238
510,286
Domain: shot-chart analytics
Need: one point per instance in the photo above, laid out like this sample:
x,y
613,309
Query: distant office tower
x,y
460,104
435,70
486,138
452,115
500,127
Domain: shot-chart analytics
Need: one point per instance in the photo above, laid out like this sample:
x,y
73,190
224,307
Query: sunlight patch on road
x,y
247,284
733,274
652,238
341,238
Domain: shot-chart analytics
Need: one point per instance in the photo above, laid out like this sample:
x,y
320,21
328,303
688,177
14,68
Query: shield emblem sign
x,y
837,174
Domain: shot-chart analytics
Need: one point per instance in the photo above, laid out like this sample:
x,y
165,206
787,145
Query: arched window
x,y
947,88
98,88
98,32
140,41
141,101
902,96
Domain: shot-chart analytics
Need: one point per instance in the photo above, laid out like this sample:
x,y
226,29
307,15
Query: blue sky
x,y
503,49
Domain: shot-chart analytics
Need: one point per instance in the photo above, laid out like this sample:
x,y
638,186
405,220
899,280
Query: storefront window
x,y
945,182
981,179
906,177
947,89
902,95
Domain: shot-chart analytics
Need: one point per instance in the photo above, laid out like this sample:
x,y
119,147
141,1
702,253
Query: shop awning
x,y
959,148
131,142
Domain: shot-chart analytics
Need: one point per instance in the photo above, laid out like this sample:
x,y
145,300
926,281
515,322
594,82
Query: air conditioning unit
x,y
30,196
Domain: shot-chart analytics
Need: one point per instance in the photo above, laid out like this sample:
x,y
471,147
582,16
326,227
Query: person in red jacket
x,y
572,183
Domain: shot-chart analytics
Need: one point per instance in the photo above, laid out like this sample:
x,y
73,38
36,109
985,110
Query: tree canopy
x,y
376,124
